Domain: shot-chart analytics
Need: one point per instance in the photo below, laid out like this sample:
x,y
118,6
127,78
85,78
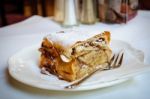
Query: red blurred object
x,y
117,11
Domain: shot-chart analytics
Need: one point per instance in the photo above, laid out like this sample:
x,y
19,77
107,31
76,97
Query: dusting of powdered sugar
x,y
68,37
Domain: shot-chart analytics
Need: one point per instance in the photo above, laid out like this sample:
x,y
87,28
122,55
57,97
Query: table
x,y
31,31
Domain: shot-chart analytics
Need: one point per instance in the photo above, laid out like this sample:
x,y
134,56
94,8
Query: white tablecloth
x,y
31,31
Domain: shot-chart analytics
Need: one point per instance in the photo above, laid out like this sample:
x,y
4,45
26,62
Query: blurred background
x,y
13,11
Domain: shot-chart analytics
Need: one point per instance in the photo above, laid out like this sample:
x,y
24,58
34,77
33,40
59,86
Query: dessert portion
x,y
77,59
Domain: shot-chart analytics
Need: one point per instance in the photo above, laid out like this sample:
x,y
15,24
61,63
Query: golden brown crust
x,y
83,56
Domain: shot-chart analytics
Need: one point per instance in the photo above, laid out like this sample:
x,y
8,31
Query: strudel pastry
x,y
78,58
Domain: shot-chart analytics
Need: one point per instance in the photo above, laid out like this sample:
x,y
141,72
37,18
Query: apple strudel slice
x,y
74,61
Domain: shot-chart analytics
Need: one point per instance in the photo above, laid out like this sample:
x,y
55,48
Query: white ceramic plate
x,y
23,66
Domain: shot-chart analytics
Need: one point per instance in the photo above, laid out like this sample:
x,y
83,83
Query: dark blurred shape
x,y
12,11
144,4
2,14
